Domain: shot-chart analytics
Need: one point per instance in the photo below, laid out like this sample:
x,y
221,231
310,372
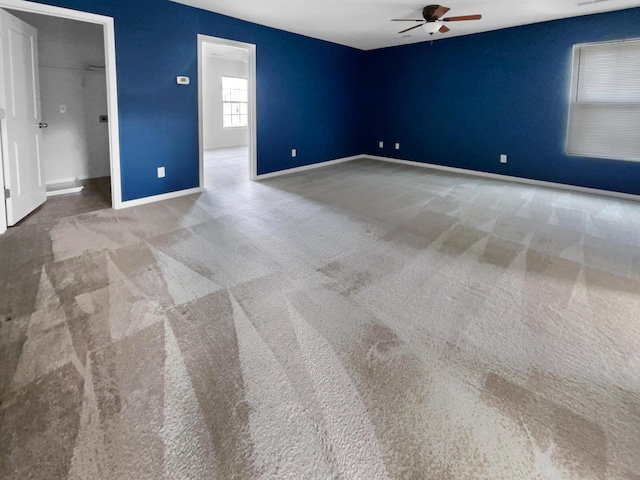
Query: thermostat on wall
x,y
182,80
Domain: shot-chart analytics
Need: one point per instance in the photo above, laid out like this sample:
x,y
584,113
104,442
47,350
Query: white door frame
x,y
251,48
112,93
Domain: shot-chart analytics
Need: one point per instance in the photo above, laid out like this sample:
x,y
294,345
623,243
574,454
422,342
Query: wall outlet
x,y
182,80
381,144
161,173
503,158
63,109
397,146
294,152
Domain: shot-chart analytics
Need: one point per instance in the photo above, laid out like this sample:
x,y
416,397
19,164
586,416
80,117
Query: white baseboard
x,y
264,176
81,177
509,178
464,171
226,147
157,198
64,191
64,187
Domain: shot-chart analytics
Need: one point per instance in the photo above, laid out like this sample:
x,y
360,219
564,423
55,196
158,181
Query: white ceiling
x,y
365,24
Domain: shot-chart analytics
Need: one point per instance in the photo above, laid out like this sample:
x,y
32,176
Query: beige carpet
x,y
362,321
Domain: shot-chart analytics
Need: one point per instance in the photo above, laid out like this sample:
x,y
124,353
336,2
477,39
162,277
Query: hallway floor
x,y
226,166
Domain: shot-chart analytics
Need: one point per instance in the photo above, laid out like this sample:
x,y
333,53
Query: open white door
x,y
25,187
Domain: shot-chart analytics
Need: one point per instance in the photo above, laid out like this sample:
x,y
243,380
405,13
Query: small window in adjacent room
x,y
234,102
604,110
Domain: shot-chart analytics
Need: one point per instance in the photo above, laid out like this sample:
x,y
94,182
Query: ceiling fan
x,y
432,22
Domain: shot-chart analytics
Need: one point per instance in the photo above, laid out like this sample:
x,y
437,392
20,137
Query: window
x,y
604,110
234,102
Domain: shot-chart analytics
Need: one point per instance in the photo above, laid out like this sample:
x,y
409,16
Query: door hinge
x,y
7,193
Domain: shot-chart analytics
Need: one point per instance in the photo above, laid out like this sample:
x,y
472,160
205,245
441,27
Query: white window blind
x,y
235,106
604,111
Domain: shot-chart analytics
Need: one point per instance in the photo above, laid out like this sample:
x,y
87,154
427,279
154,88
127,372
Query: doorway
x,y
73,102
227,111
104,137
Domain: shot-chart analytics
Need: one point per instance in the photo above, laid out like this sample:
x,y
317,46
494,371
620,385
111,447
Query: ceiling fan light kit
x,y
431,27
432,22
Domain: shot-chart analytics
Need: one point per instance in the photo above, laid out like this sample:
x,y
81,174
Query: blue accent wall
x,y
458,102
307,92
463,101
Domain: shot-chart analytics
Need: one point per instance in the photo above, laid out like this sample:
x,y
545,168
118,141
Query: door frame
x,y
112,92
251,48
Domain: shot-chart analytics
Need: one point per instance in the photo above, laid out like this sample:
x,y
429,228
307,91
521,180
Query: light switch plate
x,y
161,173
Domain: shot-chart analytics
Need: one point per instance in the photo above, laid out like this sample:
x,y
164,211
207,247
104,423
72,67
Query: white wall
x,y
75,144
214,135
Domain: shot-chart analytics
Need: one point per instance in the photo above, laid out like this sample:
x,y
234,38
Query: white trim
x,y
158,198
509,178
55,193
264,176
112,92
114,119
84,176
3,206
251,49
43,9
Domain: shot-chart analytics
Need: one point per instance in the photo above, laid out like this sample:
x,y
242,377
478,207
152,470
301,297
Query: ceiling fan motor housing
x,y
429,13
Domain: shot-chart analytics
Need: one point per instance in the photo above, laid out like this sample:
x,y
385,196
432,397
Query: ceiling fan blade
x,y
440,11
444,29
462,17
434,12
411,28
405,20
